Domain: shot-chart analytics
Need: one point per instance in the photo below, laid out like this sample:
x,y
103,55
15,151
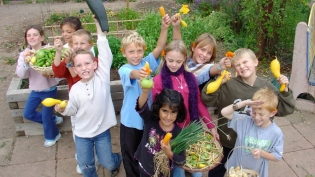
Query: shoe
x,y
78,170
115,172
49,143
58,120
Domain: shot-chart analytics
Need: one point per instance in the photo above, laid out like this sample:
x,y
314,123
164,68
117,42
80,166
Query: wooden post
x,y
127,1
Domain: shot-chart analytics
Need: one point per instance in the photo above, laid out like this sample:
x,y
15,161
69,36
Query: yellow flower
x,y
184,9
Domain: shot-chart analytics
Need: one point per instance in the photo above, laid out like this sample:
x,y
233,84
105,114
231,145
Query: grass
x,y
9,60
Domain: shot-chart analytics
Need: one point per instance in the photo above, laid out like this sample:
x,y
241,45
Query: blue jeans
x,y
179,172
45,117
103,147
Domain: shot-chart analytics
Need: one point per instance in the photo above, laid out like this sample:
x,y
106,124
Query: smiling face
x,y
261,117
80,42
34,39
174,60
167,117
245,66
84,66
66,31
202,55
133,53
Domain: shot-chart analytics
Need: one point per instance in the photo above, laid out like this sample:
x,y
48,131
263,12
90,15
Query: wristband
x,y
219,67
69,65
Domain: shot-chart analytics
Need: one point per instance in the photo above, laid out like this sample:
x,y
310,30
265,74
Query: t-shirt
x,y
150,143
269,139
129,117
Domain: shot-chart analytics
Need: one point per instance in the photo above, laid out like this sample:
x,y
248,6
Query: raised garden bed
x,y
17,98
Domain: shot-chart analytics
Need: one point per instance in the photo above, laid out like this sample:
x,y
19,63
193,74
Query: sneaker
x,y
78,170
58,120
115,172
49,143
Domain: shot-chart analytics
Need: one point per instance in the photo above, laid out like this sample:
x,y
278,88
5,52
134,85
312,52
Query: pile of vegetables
x,y
203,154
237,172
43,57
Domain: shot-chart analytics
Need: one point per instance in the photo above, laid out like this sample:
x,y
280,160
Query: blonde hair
x,y
204,40
82,32
175,45
269,97
132,37
81,51
240,52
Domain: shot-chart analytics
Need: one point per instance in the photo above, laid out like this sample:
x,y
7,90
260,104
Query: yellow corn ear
x,y
167,137
49,102
275,69
213,86
162,11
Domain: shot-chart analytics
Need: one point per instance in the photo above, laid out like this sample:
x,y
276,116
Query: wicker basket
x,y
43,70
248,172
216,161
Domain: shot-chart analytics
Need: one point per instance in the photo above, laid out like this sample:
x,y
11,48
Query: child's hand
x,y
225,62
67,55
226,78
166,21
256,153
58,109
254,104
143,73
27,55
166,147
284,80
215,133
58,43
175,20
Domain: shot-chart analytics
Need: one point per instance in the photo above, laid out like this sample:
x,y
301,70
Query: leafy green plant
x,y
119,59
128,14
9,60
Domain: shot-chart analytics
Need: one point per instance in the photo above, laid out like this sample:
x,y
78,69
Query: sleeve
x,y
180,159
286,103
105,58
22,69
277,149
72,106
124,74
237,121
61,71
204,113
145,112
157,88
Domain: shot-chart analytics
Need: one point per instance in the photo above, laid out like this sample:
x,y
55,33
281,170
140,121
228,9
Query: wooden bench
x,y
17,97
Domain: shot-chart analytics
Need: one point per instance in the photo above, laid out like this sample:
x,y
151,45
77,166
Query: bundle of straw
x,y
188,136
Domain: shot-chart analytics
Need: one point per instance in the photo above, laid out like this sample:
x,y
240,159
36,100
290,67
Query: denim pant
x,y
103,147
45,117
179,172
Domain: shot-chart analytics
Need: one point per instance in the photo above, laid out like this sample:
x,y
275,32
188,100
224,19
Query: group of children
x,y
178,97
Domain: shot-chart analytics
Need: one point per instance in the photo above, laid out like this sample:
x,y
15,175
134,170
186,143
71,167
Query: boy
x,y
92,124
261,136
241,88
131,128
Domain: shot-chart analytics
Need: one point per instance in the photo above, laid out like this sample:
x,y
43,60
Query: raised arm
x,y
228,111
143,98
166,21
176,27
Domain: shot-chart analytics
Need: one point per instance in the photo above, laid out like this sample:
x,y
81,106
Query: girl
x,y
167,109
41,87
176,75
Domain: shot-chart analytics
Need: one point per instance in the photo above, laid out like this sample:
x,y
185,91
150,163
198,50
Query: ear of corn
x,y
147,68
167,137
275,69
49,102
213,86
162,11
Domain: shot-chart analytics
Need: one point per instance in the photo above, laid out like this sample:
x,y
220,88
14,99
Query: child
x,y
68,26
41,87
133,47
176,76
167,109
241,88
81,39
92,124
258,132
203,53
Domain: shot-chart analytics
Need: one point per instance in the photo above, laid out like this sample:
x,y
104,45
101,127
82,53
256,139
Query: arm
x,y
58,46
166,21
138,74
222,65
176,27
143,98
228,111
22,68
258,153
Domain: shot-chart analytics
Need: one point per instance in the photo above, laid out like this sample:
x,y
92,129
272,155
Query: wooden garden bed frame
x,y
17,98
